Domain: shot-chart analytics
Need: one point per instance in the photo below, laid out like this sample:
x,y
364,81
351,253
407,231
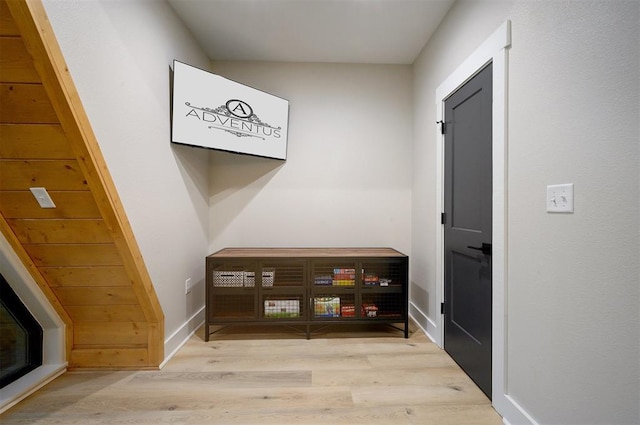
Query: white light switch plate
x,y
42,196
560,198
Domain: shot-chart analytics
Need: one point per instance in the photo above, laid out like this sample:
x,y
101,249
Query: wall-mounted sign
x,y
213,112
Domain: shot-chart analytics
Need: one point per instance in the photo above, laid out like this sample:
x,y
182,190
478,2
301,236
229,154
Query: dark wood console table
x,y
306,286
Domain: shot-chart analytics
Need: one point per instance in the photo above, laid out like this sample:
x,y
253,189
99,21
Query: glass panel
x,y
21,336
13,350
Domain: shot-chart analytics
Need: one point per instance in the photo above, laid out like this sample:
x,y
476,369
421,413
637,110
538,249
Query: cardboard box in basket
x,y
326,306
279,309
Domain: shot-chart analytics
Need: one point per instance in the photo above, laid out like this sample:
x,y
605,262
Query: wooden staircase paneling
x,y
119,334
8,25
39,231
22,204
112,358
34,141
47,255
82,253
25,103
107,313
96,295
16,64
86,276
60,174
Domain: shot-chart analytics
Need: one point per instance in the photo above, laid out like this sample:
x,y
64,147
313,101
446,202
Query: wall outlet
x,y
42,196
187,286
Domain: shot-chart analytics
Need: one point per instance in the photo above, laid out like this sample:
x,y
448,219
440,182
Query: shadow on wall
x,y
234,180
419,296
193,164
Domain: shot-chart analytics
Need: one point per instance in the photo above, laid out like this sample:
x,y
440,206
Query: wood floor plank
x,y
268,380
414,360
266,362
417,395
383,415
258,379
446,376
165,398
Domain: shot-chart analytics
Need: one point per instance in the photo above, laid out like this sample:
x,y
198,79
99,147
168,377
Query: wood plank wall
x,y
82,253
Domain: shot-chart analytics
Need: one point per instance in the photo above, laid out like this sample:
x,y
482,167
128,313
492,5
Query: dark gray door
x,y
467,234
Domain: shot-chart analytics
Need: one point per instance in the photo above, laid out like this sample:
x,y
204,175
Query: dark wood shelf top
x,y
305,252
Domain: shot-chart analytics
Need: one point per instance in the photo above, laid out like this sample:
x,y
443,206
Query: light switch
x,y
560,198
43,198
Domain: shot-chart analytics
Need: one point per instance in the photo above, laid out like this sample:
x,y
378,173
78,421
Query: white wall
x,y
347,179
574,99
119,54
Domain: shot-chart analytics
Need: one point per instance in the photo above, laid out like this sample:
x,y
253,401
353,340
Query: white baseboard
x,y
513,413
177,339
426,324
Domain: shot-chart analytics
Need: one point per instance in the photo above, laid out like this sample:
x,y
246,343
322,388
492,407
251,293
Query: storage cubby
x,y
233,307
278,274
334,305
306,286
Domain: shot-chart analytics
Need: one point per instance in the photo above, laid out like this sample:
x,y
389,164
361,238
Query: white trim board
x,y
423,321
174,342
495,50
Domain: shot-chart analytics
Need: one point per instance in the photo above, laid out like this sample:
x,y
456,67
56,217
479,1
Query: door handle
x,y
485,248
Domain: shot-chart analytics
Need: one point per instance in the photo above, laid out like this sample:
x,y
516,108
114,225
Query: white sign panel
x,y
213,112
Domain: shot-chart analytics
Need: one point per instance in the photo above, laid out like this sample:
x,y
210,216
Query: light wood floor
x,y
273,376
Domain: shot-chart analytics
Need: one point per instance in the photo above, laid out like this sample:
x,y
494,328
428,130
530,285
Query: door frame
x,y
493,49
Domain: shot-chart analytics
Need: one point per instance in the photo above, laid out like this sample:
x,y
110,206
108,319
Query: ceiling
x,y
338,31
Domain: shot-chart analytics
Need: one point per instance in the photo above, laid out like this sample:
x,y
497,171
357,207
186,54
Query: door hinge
x,y
443,218
443,127
441,308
